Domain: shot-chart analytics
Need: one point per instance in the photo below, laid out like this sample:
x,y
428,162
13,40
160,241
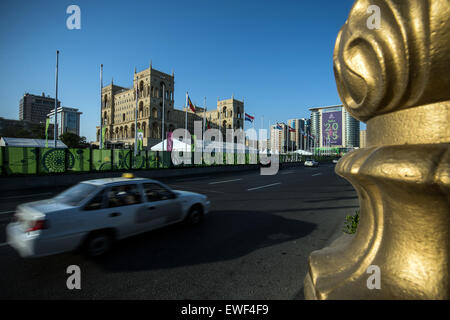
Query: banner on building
x,y
332,128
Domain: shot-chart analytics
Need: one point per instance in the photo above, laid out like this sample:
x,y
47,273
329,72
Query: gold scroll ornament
x,y
397,79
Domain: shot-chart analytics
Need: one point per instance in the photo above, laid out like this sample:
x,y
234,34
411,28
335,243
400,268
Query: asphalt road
x,y
253,245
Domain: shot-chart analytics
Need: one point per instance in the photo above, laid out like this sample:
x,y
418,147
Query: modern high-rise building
x,y
302,129
333,126
119,107
68,120
280,141
36,108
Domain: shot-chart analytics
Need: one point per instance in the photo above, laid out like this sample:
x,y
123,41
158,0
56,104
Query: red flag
x,y
191,105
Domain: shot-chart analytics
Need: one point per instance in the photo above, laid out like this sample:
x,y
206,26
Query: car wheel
x,y
98,244
195,215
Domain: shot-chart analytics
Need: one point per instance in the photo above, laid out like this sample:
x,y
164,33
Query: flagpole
x,y
185,122
135,120
220,120
55,130
101,107
204,124
163,116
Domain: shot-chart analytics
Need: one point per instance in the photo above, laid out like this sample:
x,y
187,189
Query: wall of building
x,y
119,107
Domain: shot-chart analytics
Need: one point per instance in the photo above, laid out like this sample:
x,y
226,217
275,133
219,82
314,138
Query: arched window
x,y
141,109
144,127
162,87
141,89
154,113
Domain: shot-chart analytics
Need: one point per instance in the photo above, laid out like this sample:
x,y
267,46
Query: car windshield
x,y
76,194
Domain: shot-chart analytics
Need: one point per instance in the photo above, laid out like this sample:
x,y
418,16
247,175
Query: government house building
x,y
119,106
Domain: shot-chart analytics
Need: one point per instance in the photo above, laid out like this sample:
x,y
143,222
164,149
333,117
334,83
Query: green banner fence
x,y
31,161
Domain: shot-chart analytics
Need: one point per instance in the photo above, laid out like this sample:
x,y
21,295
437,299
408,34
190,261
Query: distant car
x,y
93,214
311,163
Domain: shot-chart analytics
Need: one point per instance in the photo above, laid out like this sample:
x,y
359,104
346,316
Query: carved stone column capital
x,y
397,78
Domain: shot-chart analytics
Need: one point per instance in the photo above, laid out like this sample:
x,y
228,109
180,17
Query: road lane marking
x,y
6,212
287,172
269,185
316,174
26,196
225,181
197,190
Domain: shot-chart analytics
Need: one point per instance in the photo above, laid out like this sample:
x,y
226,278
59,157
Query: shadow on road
x,y
222,236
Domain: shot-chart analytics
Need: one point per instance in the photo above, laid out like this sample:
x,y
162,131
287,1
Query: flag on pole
x,y
291,129
279,127
249,117
135,121
47,124
191,105
103,137
207,124
140,139
169,141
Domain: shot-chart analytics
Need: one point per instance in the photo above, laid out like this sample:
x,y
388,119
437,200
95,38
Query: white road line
x,y
269,185
197,190
224,181
6,212
317,174
26,196
287,172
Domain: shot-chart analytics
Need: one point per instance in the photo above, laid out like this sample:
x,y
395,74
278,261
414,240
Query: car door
x,y
124,204
162,207
96,214
114,207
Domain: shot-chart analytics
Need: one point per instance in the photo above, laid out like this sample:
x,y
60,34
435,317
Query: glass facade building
x,y
68,120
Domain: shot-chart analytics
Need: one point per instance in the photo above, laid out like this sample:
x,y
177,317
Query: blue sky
x,y
277,55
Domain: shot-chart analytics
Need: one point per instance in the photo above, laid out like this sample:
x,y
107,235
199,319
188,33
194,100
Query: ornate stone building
x,y
119,106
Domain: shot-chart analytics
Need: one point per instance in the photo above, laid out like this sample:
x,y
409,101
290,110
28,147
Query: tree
x,y
72,140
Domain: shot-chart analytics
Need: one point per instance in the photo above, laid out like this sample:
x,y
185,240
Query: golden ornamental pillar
x,y
396,78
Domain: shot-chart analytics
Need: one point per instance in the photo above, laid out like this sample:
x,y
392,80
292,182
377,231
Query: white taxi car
x,y
93,214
